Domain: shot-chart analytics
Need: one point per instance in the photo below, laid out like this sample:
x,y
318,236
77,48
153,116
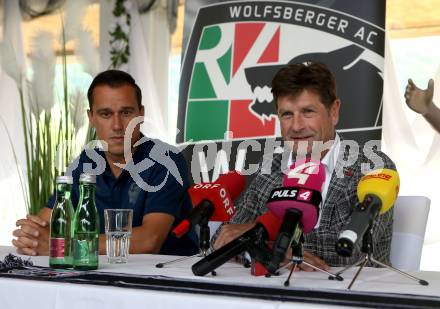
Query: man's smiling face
x,y
304,118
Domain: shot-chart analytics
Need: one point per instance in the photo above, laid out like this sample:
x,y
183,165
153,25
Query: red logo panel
x,y
243,123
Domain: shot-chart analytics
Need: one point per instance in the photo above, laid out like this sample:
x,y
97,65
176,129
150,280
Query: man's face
x,y
112,110
304,118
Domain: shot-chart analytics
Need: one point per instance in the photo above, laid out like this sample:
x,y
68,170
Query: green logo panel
x,y
201,86
207,120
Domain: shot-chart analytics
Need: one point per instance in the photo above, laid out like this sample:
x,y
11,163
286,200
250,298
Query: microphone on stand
x,y
293,209
376,193
297,205
252,241
212,202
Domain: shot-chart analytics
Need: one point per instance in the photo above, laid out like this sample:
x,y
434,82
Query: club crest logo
x,y
236,48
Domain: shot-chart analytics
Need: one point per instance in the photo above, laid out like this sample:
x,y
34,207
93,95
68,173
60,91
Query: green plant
x,y
55,143
50,129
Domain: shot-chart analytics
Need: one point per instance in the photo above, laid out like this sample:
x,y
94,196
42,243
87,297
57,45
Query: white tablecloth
x,y
16,293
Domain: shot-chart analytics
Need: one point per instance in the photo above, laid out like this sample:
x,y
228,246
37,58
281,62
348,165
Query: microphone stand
x,y
367,248
297,259
204,243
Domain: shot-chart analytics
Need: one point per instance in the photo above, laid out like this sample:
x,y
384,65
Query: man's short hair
x,y
114,79
293,79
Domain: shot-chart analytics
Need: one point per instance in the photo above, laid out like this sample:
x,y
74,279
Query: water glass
x,y
118,223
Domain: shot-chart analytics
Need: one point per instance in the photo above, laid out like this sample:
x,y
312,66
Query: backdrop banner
x,y
232,49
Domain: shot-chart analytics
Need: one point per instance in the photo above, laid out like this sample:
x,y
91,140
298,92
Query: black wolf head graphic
x,y
360,85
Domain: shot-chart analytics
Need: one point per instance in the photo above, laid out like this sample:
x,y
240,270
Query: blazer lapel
x,y
342,188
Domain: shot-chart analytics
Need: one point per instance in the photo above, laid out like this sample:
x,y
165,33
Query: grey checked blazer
x,y
340,200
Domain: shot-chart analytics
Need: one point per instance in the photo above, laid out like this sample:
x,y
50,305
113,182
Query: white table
x,y
18,293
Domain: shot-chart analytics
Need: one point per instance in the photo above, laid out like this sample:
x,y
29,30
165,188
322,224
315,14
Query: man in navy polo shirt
x,y
150,178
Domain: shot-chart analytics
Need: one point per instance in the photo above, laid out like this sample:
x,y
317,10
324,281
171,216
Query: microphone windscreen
x,y
384,183
310,175
220,193
302,188
271,223
234,183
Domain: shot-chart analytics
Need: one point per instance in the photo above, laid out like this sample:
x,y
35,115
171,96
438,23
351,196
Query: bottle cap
x,y
65,179
88,178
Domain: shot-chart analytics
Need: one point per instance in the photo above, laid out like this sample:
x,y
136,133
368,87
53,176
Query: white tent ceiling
x,y
404,18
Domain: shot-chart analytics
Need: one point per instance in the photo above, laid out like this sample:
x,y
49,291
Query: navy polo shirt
x,y
123,192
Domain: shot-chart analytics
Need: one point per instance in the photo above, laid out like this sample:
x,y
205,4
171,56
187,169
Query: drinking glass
x,y
118,224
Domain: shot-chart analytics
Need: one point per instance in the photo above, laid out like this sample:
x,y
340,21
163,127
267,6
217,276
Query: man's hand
x,y
419,100
32,236
311,259
230,232
314,260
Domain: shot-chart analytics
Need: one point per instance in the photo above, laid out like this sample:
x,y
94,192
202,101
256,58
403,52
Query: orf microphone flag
x,y
212,201
377,192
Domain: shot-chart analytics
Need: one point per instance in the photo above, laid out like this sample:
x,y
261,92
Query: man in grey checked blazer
x,y
308,110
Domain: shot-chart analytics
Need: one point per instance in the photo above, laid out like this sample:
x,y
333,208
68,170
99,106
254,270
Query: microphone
x,y
212,201
377,192
297,205
253,241
301,190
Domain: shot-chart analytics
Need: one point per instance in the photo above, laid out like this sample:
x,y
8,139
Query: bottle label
x,y
85,251
57,247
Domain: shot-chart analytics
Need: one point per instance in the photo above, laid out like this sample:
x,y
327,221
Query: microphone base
x,y
201,254
295,264
162,265
367,248
372,260
330,275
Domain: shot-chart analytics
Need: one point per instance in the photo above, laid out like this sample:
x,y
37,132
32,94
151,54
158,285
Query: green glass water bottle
x,y
86,226
60,243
